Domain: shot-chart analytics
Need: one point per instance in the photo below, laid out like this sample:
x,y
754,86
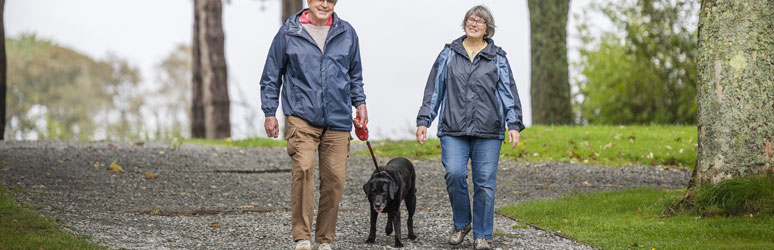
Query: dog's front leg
x,y
372,233
388,228
396,226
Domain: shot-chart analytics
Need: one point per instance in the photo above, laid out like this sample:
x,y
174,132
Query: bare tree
x,y
210,104
735,92
3,69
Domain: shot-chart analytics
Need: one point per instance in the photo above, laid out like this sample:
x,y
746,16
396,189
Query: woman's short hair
x,y
484,13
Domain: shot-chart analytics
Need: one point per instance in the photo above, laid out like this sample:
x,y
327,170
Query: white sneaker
x,y
324,246
303,245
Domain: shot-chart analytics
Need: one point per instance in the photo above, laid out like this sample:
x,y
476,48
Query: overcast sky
x,y
399,42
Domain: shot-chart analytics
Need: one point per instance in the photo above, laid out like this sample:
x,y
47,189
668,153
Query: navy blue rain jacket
x,y
319,87
476,98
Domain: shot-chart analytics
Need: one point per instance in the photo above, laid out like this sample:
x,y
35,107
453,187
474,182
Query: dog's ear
x,y
393,190
367,189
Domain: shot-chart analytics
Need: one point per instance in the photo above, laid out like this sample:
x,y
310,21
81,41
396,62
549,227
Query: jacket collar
x,y
294,25
490,52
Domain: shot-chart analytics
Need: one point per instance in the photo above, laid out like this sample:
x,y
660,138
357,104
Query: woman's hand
x,y
513,138
421,134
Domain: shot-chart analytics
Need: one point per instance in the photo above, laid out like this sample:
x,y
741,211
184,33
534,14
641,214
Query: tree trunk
x,y
735,91
3,70
550,86
210,102
197,110
290,7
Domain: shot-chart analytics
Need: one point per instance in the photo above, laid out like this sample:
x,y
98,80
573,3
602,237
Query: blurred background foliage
x,y
57,93
644,71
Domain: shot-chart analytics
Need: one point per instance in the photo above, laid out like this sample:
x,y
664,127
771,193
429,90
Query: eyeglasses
x,y
474,21
329,1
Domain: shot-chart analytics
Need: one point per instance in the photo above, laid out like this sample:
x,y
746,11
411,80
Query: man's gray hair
x,y
484,13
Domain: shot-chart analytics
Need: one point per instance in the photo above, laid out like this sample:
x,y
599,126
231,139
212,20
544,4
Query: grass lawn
x,y
246,143
633,219
597,145
20,229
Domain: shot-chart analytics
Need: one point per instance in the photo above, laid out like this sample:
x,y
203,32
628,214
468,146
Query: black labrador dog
x,y
387,187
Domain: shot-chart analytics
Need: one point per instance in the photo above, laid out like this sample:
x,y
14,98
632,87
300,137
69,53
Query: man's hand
x,y
421,134
272,126
513,138
362,115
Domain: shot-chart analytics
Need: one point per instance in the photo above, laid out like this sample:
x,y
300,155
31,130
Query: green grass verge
x,y
633,219
20,229
247,143
597,145
738,196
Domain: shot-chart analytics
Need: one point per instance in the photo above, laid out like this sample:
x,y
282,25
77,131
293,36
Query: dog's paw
x,y
412,237
371,240
388,229
398,244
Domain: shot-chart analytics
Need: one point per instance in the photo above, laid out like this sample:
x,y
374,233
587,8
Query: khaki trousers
x,y
333,147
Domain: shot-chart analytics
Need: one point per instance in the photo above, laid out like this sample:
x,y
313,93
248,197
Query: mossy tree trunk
x,y
735,91
550,86
210,104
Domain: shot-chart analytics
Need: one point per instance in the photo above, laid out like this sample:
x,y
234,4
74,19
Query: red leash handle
x,y
362,134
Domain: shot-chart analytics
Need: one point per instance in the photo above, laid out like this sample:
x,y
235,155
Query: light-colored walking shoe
x,y
324,246
303,245
458,235
481,244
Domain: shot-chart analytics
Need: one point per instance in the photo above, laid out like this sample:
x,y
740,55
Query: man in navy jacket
x,y
314,63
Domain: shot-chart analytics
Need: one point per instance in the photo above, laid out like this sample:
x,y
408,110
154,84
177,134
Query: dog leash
x,y
362,134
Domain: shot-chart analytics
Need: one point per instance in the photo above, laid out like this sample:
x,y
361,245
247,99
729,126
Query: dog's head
x,y
380,190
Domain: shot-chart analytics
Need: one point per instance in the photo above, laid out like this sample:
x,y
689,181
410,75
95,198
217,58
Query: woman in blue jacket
x,y
472,84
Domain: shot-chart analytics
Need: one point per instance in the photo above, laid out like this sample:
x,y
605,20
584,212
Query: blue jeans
x,y
484,154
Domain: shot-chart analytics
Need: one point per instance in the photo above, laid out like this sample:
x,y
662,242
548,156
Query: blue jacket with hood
x,y
319,87
475,99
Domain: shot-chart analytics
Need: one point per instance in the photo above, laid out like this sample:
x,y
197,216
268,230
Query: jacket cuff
x,y
423,123
269,112
516,126
357,104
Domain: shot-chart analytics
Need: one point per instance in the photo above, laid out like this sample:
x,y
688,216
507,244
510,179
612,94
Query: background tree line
x,y
642,72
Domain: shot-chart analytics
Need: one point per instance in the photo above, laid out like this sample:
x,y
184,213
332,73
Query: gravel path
x,y
222,198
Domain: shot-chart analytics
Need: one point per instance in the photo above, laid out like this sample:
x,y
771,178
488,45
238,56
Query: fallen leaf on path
x,y
139,143
215,224
150,175
48,174
161,152
115,167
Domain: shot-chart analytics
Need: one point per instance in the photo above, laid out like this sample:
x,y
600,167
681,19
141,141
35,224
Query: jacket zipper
x,y
305,35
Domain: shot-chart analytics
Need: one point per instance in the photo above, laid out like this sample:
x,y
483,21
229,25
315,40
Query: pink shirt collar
x,y
304,19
